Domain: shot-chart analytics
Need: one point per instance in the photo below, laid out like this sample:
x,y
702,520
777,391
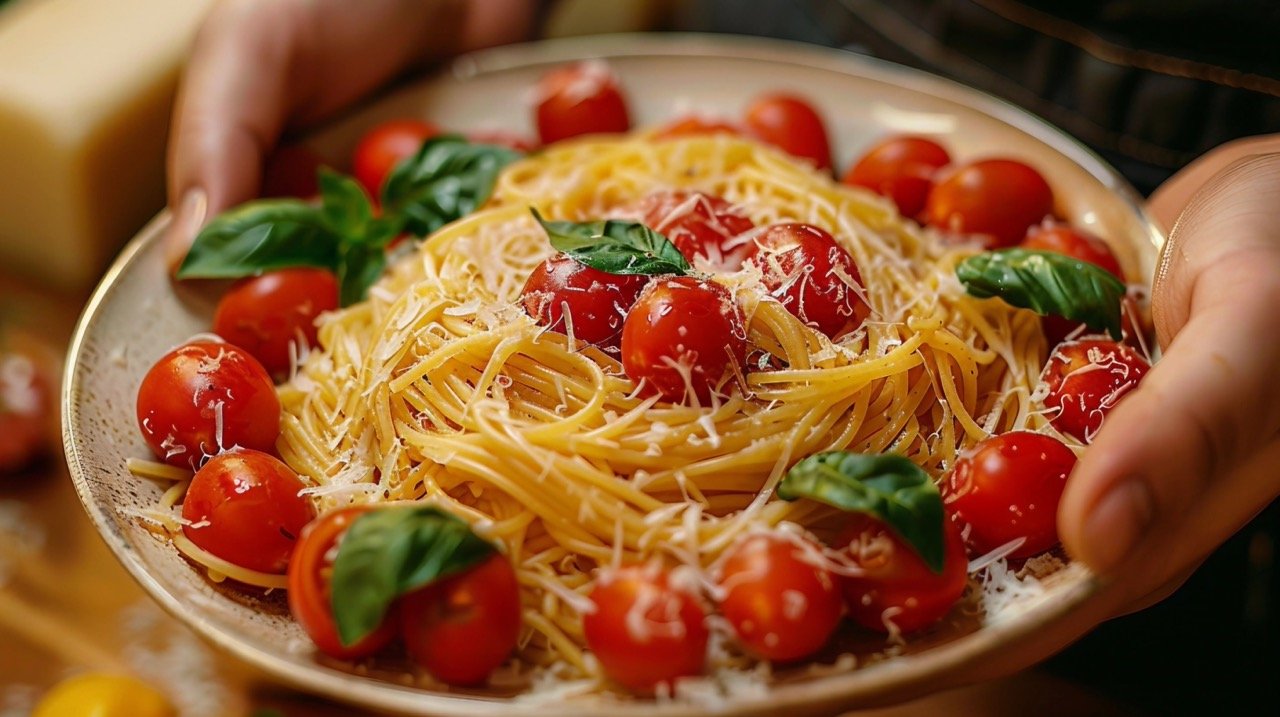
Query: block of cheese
x,y
86,89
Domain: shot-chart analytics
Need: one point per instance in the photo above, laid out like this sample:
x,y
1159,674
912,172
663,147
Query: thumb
x,y
1162,471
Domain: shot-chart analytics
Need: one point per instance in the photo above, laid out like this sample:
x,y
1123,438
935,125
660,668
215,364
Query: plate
x,y
137,314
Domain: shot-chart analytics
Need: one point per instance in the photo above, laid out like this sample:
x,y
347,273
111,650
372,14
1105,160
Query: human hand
x,y
259,67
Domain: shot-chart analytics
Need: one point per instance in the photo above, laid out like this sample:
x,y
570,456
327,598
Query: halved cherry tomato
x,y
900,168
1008,487
1086,380
243,506
644,631
510,140
562,291
290,171
783,605
579,99
701,225
681,336
204,397
273,316
310,570
814,277
694,126
791,124
384,146
1073,242
995,199
465,626
897,588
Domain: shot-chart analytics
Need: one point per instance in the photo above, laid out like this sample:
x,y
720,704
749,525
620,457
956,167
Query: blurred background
x,y
85,93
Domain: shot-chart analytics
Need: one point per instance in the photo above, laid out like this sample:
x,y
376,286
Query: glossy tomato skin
x,y
901,168
1073,242
693,323
781,603
1008,487
243,506
382,148
996,200
896,585
791,124
704,227
1086,379
309,597
695,126
809,273
578,99
273,316
671,639
199,388
465,626
597,301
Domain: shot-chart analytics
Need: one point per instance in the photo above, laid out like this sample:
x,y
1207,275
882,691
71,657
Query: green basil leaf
x,y
392,551
261,236
616,247
447,179
359,266
345,206
1047,283
887,486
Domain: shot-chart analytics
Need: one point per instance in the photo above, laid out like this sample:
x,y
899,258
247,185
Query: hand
x,y
259,67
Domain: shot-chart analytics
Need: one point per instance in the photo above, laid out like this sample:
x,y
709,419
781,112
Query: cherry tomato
x,y
701,225
900,168
273,316
1058,328
695,126
290,171
682,335
1086,379
98,695
310,569
1008,487
243,506
382,148
782,604
579,99
998,199
510,140
644,631
465,626
792,125
814,277
204,397
897,586
596,301
1075,243
27,423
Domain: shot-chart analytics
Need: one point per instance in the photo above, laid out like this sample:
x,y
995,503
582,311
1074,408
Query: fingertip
x,y
188,217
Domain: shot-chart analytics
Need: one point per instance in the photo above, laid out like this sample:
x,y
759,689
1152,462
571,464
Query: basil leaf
x,y
447,179
1047,283
345,206
359,266
616,247
261,236
389,552
887,486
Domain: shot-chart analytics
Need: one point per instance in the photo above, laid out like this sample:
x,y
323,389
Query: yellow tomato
x,y
104,696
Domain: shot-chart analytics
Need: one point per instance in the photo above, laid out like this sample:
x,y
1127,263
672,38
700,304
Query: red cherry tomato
x,y
682,335
644,631
273,316
204,397
290,171
997,199
897,587
309,596
1058,328
243,506
814,277
1075,243
1008,487
1086,379
596,301
792,125
27,421
510,140
900,168
580,99
695,126
465,626
382,148
701,225
783,605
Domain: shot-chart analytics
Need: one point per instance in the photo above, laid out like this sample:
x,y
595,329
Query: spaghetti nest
x,y
440,388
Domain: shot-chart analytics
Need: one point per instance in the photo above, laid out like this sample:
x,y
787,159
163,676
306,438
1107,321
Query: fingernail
x,y
1117,523
187,220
